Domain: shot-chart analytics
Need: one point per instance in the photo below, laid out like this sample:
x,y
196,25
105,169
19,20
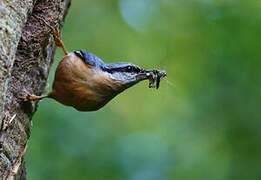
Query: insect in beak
x,y
154,77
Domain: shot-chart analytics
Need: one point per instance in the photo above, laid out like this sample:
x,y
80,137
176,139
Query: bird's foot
x,y
30,97
58,40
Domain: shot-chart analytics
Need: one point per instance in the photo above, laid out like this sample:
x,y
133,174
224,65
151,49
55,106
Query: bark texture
x,y
26,53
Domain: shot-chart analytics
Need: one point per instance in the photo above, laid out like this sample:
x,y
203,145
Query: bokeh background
x,y
204,121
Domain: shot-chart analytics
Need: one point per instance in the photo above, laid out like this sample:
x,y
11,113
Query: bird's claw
x,y
31,97
26,97
58,40
57,37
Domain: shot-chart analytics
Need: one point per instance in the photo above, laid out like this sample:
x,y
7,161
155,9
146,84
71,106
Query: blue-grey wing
x,y
89,58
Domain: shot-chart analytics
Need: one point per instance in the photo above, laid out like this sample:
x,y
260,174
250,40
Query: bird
x,y
85,82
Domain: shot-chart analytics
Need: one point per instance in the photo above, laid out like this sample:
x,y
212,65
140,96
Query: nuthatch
x,y
85,82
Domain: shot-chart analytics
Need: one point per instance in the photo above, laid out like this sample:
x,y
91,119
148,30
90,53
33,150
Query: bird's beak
x,y
154,76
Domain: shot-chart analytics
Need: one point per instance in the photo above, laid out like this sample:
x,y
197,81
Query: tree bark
x,y
26,53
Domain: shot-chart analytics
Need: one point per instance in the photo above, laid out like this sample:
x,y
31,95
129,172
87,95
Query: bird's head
x,y
127,74
118,76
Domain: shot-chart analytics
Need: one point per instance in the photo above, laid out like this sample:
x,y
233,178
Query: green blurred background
x,y
204,121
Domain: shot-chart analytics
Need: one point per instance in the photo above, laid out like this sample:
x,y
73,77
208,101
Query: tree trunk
x,y
26,53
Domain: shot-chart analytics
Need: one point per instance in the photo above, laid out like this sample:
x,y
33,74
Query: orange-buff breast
x,y
79,85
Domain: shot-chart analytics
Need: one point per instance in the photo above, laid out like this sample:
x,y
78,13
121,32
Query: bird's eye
x,y
129,68
132,69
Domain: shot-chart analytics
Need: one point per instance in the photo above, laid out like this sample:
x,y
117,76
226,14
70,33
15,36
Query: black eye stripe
x,y
132,69
124,69
121,67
